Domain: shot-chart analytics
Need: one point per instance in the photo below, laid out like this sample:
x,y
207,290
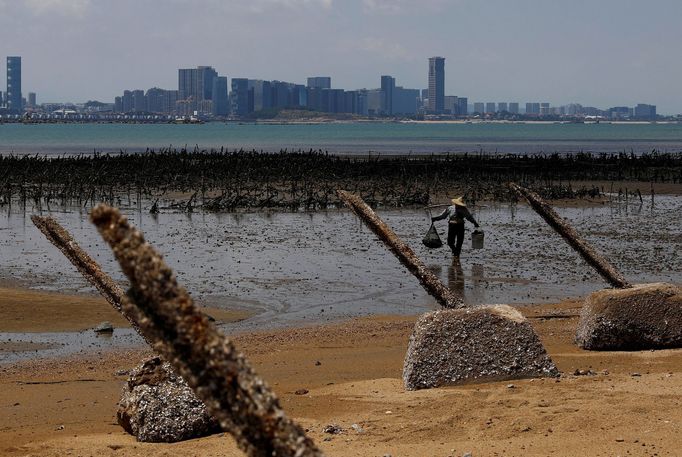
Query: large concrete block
x,y
647,316
157,405
488,343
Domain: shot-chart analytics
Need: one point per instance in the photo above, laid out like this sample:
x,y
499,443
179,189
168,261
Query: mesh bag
x,y
431,239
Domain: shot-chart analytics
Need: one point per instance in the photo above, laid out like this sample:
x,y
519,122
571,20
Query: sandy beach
x,y
628,404
324,313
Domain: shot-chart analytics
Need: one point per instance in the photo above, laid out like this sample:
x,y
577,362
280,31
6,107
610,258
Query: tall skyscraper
x,y
320,82
139,102
490,107
219,96
127,101
14,84
502,106
240,96
32,99
196,83
514,108
261,91
388,88
436,85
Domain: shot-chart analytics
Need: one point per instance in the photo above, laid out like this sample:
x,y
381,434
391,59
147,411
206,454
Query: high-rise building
x,y
320,82
514,108
479,107
532,108
387,87
544,109
187,82
352,101
155,100
139,101
314,98
221,106
281,94
462,106
127,101
170,101
450,104
14,104
373,102
502,106
405,101
299,95
240,96
32,99
196,83
161,101
262,94
436,85
490,108
337,101
645,111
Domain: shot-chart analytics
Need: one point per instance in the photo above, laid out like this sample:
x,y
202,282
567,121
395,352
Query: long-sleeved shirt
x,y
456,212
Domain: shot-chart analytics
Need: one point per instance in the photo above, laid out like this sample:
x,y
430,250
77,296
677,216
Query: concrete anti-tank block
x,y
646,316
488,343
157,405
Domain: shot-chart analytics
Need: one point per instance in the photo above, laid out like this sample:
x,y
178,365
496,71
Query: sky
x,y
595,52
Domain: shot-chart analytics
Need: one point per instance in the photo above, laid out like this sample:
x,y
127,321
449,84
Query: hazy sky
x,y
595,52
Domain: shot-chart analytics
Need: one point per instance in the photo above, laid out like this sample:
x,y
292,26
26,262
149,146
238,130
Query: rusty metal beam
x,y
218,373
86,265
563,228
406,256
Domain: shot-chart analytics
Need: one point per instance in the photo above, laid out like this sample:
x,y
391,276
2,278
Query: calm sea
x,y
352,138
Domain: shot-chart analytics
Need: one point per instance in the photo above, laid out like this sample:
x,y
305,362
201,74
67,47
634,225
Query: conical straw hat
x,y
459,201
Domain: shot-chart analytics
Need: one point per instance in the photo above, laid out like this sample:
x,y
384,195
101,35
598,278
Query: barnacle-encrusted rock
x,y
487,343
157,405
647,316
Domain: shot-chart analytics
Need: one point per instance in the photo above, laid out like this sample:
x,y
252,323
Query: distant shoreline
x,y
322,120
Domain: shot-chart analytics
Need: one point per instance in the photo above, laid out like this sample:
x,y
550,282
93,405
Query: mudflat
x,y
23,310
604,403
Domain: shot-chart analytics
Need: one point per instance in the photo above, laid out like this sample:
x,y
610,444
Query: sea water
x,y
344,138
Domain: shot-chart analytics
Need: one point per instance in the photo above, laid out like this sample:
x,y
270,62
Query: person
x,y
456,215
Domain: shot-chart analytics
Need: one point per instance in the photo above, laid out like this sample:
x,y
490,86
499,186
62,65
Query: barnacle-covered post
x,y
402,251
218,373
86,265
563,228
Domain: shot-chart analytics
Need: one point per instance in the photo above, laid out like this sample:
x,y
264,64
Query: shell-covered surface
x,y
488,343
157,405
646,316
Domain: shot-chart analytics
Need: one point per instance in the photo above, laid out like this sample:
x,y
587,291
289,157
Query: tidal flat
x,y
289,268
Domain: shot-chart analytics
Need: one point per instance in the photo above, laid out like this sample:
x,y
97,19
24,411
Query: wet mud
x,y
289,268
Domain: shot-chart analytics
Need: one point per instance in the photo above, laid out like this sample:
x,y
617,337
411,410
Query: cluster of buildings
x,y
203,93
536,109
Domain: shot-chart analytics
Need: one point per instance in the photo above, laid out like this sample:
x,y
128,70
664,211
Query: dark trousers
x,y
455,237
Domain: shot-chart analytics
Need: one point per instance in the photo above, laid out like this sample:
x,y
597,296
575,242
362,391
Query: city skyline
x,y
202,91
603,55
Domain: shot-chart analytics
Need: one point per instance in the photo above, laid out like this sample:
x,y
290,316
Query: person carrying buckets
x,y
456,215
